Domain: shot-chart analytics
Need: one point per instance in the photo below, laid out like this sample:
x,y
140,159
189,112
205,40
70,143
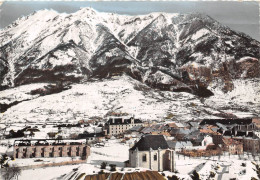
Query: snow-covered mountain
x,y
171,52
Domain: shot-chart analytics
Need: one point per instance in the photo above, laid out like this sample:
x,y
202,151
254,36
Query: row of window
x,y
145,159
122,126
44,149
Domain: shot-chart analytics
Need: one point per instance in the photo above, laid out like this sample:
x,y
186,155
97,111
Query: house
x,y
199,140
256,134
256,121
92,137
180,145
177,125
203,140
232,146
134,132
180,134
38,148
194,124
155,129
217,138
116,126
250,144
152,152
181,125
246,121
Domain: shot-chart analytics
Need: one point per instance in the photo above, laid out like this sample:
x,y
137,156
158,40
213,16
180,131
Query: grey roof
x,y
154,128
147,130
221,126
194,124
115,121
181,131
179,144
151,141
136,128
194,135
227,121
178,124
215,129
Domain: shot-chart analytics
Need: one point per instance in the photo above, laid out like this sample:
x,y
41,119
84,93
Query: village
x,y
206,149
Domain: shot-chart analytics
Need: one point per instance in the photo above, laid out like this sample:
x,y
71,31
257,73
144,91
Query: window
x,y
144,158
155,157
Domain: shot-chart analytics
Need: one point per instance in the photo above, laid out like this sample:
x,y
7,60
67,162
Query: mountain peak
x,y
87,11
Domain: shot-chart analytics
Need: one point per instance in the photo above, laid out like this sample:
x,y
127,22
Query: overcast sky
x,y
240,16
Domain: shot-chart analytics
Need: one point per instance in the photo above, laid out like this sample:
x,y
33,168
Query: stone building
x,y
116,126
249,144
153,152
232,146
38,148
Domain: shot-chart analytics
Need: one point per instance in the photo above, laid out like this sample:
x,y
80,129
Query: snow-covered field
x,y
243,100
120,95
19,93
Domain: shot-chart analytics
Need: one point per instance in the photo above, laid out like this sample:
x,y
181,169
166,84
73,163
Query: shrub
x,y
101,172
212,174
174,177
103,165
195,175
112,167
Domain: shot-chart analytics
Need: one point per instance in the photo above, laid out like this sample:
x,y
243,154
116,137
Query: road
x,y
224,170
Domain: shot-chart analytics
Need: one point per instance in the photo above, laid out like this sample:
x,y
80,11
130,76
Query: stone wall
x,y
67,150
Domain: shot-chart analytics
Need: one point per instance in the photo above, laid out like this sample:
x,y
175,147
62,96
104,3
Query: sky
x,y
240,16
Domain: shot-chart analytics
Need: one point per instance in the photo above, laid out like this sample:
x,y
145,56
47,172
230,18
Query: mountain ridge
x,y
161,43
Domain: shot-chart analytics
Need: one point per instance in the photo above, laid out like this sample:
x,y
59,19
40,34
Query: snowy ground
x,y
225,167
19,93
114,152
120,95
243,100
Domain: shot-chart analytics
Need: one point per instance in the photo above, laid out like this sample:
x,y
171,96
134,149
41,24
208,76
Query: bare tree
x,y
9,173
16,171
6,173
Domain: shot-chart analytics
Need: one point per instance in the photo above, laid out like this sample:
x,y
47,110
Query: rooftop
x,y
226,121
46,142
151,141
230,141
118,121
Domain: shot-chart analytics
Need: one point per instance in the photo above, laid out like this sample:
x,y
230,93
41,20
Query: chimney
x,y
123,120
113,120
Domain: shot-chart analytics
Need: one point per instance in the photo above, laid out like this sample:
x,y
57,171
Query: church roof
x,y
151,141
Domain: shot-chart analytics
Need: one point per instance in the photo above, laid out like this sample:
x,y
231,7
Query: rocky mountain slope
x,y
190,53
